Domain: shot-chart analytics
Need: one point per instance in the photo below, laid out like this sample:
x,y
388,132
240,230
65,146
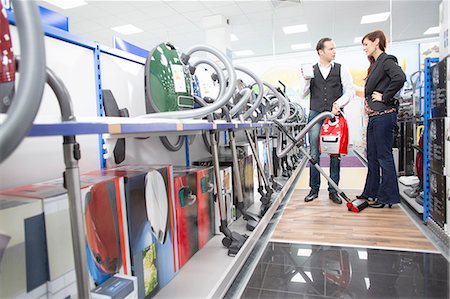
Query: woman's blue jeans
x,y
380,139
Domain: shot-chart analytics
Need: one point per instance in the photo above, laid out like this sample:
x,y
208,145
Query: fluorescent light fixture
x,y
304,252
357,39
362,254
301,46
233,37
295,29
375,18
367,281
243,53
433,30
127,29
66,4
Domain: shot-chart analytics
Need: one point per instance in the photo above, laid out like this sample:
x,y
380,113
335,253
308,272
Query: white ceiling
x,y
257,24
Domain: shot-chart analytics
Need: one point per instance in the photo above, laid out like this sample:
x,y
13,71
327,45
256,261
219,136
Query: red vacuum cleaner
x,y
333,138
8,64
356,205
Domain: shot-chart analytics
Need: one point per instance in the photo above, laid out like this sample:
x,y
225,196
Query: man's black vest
x,y
324,92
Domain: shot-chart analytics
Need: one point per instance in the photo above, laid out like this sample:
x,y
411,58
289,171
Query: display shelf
x,y
210,272
121,126
411,201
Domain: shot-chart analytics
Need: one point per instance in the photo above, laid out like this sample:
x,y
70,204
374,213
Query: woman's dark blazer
x,y
387,78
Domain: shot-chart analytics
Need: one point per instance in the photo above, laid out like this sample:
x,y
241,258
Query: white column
x,y
217,33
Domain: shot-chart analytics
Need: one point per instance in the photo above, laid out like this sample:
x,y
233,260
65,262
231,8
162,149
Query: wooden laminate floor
x,y
324,222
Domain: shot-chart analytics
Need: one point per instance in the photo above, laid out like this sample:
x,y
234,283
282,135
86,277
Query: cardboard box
x,y
439,198
116,287
194,197
55,204
23,255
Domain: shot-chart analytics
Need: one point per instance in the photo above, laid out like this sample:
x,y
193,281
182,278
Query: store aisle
x,y
324,222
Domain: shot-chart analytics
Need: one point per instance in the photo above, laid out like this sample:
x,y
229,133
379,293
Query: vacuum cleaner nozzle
x,y
358,205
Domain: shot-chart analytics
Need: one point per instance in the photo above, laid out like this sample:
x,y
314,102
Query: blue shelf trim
x,y
100,110
186,146
148,128
67,129
426,116
192,127
83,128
122,54
59,34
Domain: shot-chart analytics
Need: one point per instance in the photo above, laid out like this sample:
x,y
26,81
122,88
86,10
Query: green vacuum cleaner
x,y
167,81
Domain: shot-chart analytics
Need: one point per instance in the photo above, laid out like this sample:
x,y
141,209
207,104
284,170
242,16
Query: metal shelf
x,y
120,126
411,201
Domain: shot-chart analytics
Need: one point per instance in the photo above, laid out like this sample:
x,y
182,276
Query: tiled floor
x,y
311,271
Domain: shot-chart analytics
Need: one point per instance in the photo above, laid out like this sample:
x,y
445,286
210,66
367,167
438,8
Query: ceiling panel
x,y
251,21
227,10
186,6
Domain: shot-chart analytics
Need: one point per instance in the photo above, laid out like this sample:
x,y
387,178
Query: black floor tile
x,y
301,270
251,293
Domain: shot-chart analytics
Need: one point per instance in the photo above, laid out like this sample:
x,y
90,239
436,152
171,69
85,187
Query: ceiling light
x,y
433,30
243,53
295,29
379,17
301,46
127,29
67,4
233,37
357,39
304,252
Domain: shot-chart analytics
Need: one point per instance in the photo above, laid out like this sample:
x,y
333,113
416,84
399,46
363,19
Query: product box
x,y
54,201
116,287
151,224
107,249
439,145
194,198
23,256
439,198
226,176
444,27
439,89
246,170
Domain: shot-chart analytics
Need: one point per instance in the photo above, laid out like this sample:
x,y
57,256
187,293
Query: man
x,y
331,89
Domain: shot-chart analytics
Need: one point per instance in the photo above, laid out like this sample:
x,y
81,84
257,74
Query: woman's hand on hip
x,y
377,97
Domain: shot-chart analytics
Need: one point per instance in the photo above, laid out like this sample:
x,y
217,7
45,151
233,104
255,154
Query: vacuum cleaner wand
x,y
355,206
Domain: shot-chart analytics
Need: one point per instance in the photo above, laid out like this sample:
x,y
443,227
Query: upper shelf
x,y
120,126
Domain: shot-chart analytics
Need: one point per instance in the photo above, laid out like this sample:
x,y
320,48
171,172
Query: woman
x,y
384,79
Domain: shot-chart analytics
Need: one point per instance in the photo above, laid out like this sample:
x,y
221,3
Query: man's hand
x,y
377,97
336,109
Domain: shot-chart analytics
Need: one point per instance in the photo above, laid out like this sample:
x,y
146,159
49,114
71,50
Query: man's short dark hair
x,y
321,42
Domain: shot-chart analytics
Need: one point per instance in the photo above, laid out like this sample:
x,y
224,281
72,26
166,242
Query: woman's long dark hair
x,y
372,36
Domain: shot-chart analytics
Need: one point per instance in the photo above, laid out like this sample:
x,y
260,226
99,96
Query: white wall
x,y
41,158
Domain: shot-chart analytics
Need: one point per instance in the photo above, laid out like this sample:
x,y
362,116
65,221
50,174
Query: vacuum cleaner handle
x,y
27,100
